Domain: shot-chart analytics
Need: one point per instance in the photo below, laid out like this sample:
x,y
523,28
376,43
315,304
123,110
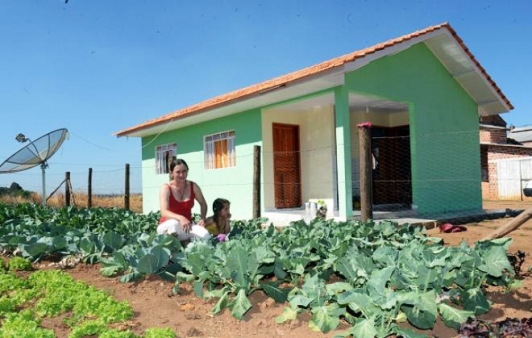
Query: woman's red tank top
x,y
183,208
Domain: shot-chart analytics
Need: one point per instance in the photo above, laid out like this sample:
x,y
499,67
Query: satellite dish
x,y
35,153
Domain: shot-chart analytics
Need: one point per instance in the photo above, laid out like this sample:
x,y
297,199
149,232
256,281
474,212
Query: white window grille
x,y
220,150
164,155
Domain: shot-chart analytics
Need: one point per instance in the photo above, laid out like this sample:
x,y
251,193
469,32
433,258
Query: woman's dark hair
x,y
176,162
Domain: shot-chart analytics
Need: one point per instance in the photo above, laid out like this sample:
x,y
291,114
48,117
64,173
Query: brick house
x,y
497,148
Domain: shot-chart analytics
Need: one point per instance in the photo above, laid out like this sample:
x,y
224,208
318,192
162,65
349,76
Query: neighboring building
x,y
505,163
425,86
523,135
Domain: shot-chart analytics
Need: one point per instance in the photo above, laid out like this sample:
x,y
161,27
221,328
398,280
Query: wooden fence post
x,y
89,190
126,195
366,167
256,181
510,226
67,188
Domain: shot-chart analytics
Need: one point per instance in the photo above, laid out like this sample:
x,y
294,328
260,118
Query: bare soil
x,y
189,316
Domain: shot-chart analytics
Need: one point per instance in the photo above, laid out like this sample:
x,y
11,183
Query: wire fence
x,y
404,173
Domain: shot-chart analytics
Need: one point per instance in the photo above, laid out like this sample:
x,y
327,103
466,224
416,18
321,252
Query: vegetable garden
x,y
376,279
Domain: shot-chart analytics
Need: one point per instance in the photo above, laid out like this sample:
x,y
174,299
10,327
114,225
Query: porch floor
x,y
283,217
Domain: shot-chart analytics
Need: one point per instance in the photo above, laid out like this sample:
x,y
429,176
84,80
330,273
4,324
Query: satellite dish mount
x,y
35,153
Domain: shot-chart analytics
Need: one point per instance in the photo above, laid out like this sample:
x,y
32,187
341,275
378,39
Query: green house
x,y
423,94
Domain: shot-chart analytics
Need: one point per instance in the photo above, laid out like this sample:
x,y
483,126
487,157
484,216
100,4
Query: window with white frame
x,y
220,150
164,155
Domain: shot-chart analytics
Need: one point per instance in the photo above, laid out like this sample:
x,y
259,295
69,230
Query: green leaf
x,y
264,255
221,304
408,333
365,328
266,269
399,280
59,242
243,266
474,300
354,267
314,288
148,264
431,259
198,288
325,318
273,290
154,261
358,301
495,261
453,317
240,304
338,287
288,314
278,270
378,280
423,313
385,255
109,271
35,250
216,293
300,301
427,278
87,245
388,300
120,260
184,277
113,240
504,242
130,277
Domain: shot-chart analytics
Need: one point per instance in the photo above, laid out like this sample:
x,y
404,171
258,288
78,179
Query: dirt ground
x,y
190,316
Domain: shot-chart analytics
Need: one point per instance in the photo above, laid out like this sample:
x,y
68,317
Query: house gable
x,y
439,107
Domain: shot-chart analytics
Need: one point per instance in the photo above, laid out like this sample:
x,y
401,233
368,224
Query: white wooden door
x,y
511,175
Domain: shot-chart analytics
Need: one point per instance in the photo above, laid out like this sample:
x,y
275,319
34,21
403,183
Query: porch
x,y
283,217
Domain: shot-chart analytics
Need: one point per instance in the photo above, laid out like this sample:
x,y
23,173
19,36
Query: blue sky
x,y
99,66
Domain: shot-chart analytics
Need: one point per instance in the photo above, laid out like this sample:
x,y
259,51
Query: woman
x,y
176,200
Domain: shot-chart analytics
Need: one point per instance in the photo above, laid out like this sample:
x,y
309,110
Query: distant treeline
x,y
15,190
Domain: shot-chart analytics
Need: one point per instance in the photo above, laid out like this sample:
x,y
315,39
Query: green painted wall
x,y
443,127
234,183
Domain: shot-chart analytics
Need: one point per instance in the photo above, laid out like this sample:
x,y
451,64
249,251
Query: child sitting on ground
x,y
218,225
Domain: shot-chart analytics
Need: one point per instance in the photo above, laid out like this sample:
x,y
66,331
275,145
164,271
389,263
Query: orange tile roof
x,y
283,80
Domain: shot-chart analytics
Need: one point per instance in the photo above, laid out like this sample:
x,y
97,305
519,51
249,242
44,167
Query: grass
x,y
79,200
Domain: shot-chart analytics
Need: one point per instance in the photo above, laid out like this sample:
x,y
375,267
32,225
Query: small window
x,y
164,155
220,150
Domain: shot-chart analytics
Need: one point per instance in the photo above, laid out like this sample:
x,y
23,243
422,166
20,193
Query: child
x,y
218,225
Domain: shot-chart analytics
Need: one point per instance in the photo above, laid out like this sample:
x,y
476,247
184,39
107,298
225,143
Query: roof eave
x,y
327,79
441,39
